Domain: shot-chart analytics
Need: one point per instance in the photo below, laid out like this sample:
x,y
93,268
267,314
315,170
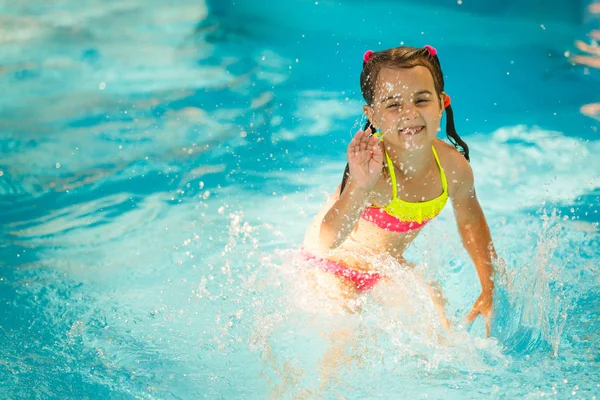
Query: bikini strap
x,y
392,174
442,174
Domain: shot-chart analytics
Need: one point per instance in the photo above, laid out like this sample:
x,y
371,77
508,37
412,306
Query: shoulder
x,y
457,169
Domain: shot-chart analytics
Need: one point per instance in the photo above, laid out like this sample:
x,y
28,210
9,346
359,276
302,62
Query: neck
x,y
412,163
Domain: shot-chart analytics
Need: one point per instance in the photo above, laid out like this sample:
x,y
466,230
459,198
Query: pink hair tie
x,y
431,49
367,55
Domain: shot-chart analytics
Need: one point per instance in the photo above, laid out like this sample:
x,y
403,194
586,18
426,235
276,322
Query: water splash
x,y
382,332
534,298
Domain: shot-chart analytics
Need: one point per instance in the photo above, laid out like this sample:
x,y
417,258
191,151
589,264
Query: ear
x,y
368,110
442,100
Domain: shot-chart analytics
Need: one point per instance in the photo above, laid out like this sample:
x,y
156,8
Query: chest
x,y
412,189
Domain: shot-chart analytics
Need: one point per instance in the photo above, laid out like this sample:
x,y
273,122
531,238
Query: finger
x,y
373,141
354,143
378,146
377,155
360,138
487,326
359,135
364,140
370,145
368,133
351,147
472,315
587,48
373,147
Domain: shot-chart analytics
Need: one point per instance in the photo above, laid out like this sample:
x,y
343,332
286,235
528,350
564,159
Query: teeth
x,y
410,131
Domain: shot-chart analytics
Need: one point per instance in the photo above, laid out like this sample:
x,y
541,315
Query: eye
x,y
392,105
422,101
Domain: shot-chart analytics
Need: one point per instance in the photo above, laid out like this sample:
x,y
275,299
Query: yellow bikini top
x,y
418,211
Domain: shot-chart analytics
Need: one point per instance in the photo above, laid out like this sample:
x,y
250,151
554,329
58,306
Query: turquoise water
x,y
160,164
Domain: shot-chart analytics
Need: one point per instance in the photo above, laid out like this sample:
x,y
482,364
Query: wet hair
x,y
406,57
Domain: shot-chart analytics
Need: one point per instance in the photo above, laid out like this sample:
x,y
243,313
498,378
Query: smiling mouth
x,y
415,130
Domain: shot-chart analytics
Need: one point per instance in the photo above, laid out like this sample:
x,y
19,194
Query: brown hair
x,y
406,57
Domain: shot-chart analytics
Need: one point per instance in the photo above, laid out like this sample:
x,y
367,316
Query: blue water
x,y
160,163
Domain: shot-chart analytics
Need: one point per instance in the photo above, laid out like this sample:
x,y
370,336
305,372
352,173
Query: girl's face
x,y
406,108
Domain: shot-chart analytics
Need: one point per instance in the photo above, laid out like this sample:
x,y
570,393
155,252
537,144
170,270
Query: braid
x,y
453,136
345,177
451,133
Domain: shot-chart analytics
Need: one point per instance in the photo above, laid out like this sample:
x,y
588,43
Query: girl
x,y
399,176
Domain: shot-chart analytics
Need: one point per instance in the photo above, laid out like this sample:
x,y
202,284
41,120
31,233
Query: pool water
x,y
161,162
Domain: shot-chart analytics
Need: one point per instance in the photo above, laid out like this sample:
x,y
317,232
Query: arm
x,y
365,160
476,238
342,216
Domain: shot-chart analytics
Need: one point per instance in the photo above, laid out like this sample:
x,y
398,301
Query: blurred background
x,y
161,159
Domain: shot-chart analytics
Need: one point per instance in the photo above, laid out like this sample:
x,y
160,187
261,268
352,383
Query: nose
x,y
408,113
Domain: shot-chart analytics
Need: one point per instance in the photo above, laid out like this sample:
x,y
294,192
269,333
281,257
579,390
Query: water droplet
x,y
57,165
102,86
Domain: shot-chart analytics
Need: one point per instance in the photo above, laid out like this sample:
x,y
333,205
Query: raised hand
x,y
365,160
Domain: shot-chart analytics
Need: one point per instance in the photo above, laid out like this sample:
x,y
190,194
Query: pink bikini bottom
x,y
363,280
